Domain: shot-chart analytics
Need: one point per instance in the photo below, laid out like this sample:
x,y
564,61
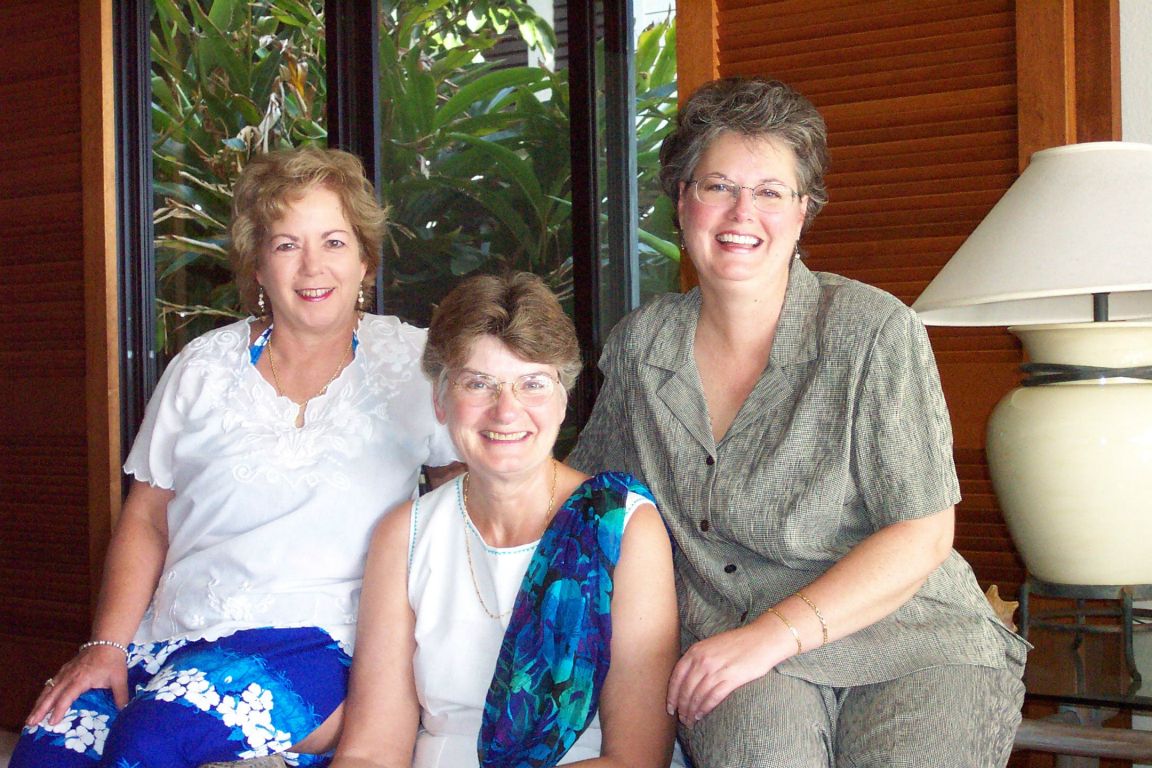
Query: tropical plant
x,y
474,155
655,116
476,165
229,78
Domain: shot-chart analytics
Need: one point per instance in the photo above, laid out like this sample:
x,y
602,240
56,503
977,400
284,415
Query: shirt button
x,y
730,568
705,525
709,461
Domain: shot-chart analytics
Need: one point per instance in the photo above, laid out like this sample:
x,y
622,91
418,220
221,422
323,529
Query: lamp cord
x,y
1040,374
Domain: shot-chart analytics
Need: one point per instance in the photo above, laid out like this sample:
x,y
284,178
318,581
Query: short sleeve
x,y
441,451
903,437
151,457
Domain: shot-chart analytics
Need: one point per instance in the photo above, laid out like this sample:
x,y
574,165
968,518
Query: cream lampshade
x,y
1065,260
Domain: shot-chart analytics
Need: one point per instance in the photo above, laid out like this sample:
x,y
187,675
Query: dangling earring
x,y
796,252
360,300
260,301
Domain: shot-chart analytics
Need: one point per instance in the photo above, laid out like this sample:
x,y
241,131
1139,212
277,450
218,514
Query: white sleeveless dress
x,y
457,642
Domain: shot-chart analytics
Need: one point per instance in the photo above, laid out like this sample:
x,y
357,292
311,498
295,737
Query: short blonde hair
x,y
271,182
518,310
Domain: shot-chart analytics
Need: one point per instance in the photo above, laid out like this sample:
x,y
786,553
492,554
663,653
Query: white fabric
x,y
269,525
457,643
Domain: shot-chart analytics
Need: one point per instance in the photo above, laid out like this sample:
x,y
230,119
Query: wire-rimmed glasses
x,y
769,197
478,388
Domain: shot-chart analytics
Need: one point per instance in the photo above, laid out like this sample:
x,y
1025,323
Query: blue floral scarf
x,y
556,650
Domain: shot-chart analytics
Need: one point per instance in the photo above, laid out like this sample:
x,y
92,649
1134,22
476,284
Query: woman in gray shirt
x,y
792,428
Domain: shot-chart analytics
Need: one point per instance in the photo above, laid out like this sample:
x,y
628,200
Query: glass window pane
x,y
638,246
474,148
228,79
656,99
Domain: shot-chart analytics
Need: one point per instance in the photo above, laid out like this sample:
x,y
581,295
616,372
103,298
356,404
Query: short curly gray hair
x,y
757,108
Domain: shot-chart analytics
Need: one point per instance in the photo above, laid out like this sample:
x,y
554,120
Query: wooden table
x,y
1089,681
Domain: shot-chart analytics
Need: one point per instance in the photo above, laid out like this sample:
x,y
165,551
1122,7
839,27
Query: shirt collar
x,y
795,342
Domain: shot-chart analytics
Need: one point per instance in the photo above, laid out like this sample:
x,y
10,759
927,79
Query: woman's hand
x,y
100,666
713,668
876,577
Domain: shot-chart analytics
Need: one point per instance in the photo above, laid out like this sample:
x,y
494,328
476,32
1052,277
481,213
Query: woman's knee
x,y
166,734
77,740
960,715
773,721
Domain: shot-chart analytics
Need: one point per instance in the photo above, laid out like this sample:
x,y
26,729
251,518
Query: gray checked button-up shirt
x,y
845,432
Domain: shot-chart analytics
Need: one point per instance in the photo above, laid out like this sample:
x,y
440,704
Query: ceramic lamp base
x,y
1072,463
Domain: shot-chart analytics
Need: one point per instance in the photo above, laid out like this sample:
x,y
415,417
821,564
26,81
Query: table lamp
x,y
1065,260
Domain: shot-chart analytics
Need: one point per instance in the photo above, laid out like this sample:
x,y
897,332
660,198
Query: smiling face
x,y
501,436
736,242
310,265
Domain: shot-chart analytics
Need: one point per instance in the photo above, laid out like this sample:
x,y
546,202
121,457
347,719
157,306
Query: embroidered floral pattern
x,y
386,359
245,477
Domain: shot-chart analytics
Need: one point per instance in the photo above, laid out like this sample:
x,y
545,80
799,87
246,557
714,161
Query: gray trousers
x,y
954,716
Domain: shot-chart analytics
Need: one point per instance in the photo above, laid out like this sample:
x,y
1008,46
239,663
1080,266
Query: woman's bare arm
x,y
382,713
132,569
637,731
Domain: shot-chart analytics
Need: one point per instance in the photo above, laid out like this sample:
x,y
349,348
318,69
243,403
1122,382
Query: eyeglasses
x,y
482,389
768,197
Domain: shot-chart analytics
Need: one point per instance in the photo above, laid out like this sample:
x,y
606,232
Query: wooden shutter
x,y
59,405
927,128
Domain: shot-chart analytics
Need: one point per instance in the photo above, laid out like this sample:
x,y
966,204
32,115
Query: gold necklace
x,y
468,541
276,378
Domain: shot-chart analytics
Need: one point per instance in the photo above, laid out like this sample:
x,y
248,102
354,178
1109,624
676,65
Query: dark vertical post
x,y
620,286
351,28
585,199
137,265
1100,307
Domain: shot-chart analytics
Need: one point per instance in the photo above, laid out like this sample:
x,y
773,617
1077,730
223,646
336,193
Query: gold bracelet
x,y
792,629
815,610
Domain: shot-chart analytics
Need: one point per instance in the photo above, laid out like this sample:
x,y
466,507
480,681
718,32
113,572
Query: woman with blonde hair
x,y
269,450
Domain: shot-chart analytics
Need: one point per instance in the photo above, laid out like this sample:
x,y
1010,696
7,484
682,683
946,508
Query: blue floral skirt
x,y
250,694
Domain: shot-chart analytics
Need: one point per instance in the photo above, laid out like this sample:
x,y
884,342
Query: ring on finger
x,y
50,683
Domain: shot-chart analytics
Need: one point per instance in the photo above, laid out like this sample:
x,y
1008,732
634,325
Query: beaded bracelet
x,y
815,610
792,629
112,643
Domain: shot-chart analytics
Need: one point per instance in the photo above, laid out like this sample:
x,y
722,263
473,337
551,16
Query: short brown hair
x,y
757,108
517,309
270,182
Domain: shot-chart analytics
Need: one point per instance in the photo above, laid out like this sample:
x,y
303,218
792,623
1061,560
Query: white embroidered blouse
x,y
270,523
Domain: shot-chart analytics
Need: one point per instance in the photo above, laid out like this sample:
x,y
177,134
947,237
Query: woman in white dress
x,y
493,605
268,452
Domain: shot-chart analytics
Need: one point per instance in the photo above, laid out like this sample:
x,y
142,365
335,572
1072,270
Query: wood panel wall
x,y
59,409
932,108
